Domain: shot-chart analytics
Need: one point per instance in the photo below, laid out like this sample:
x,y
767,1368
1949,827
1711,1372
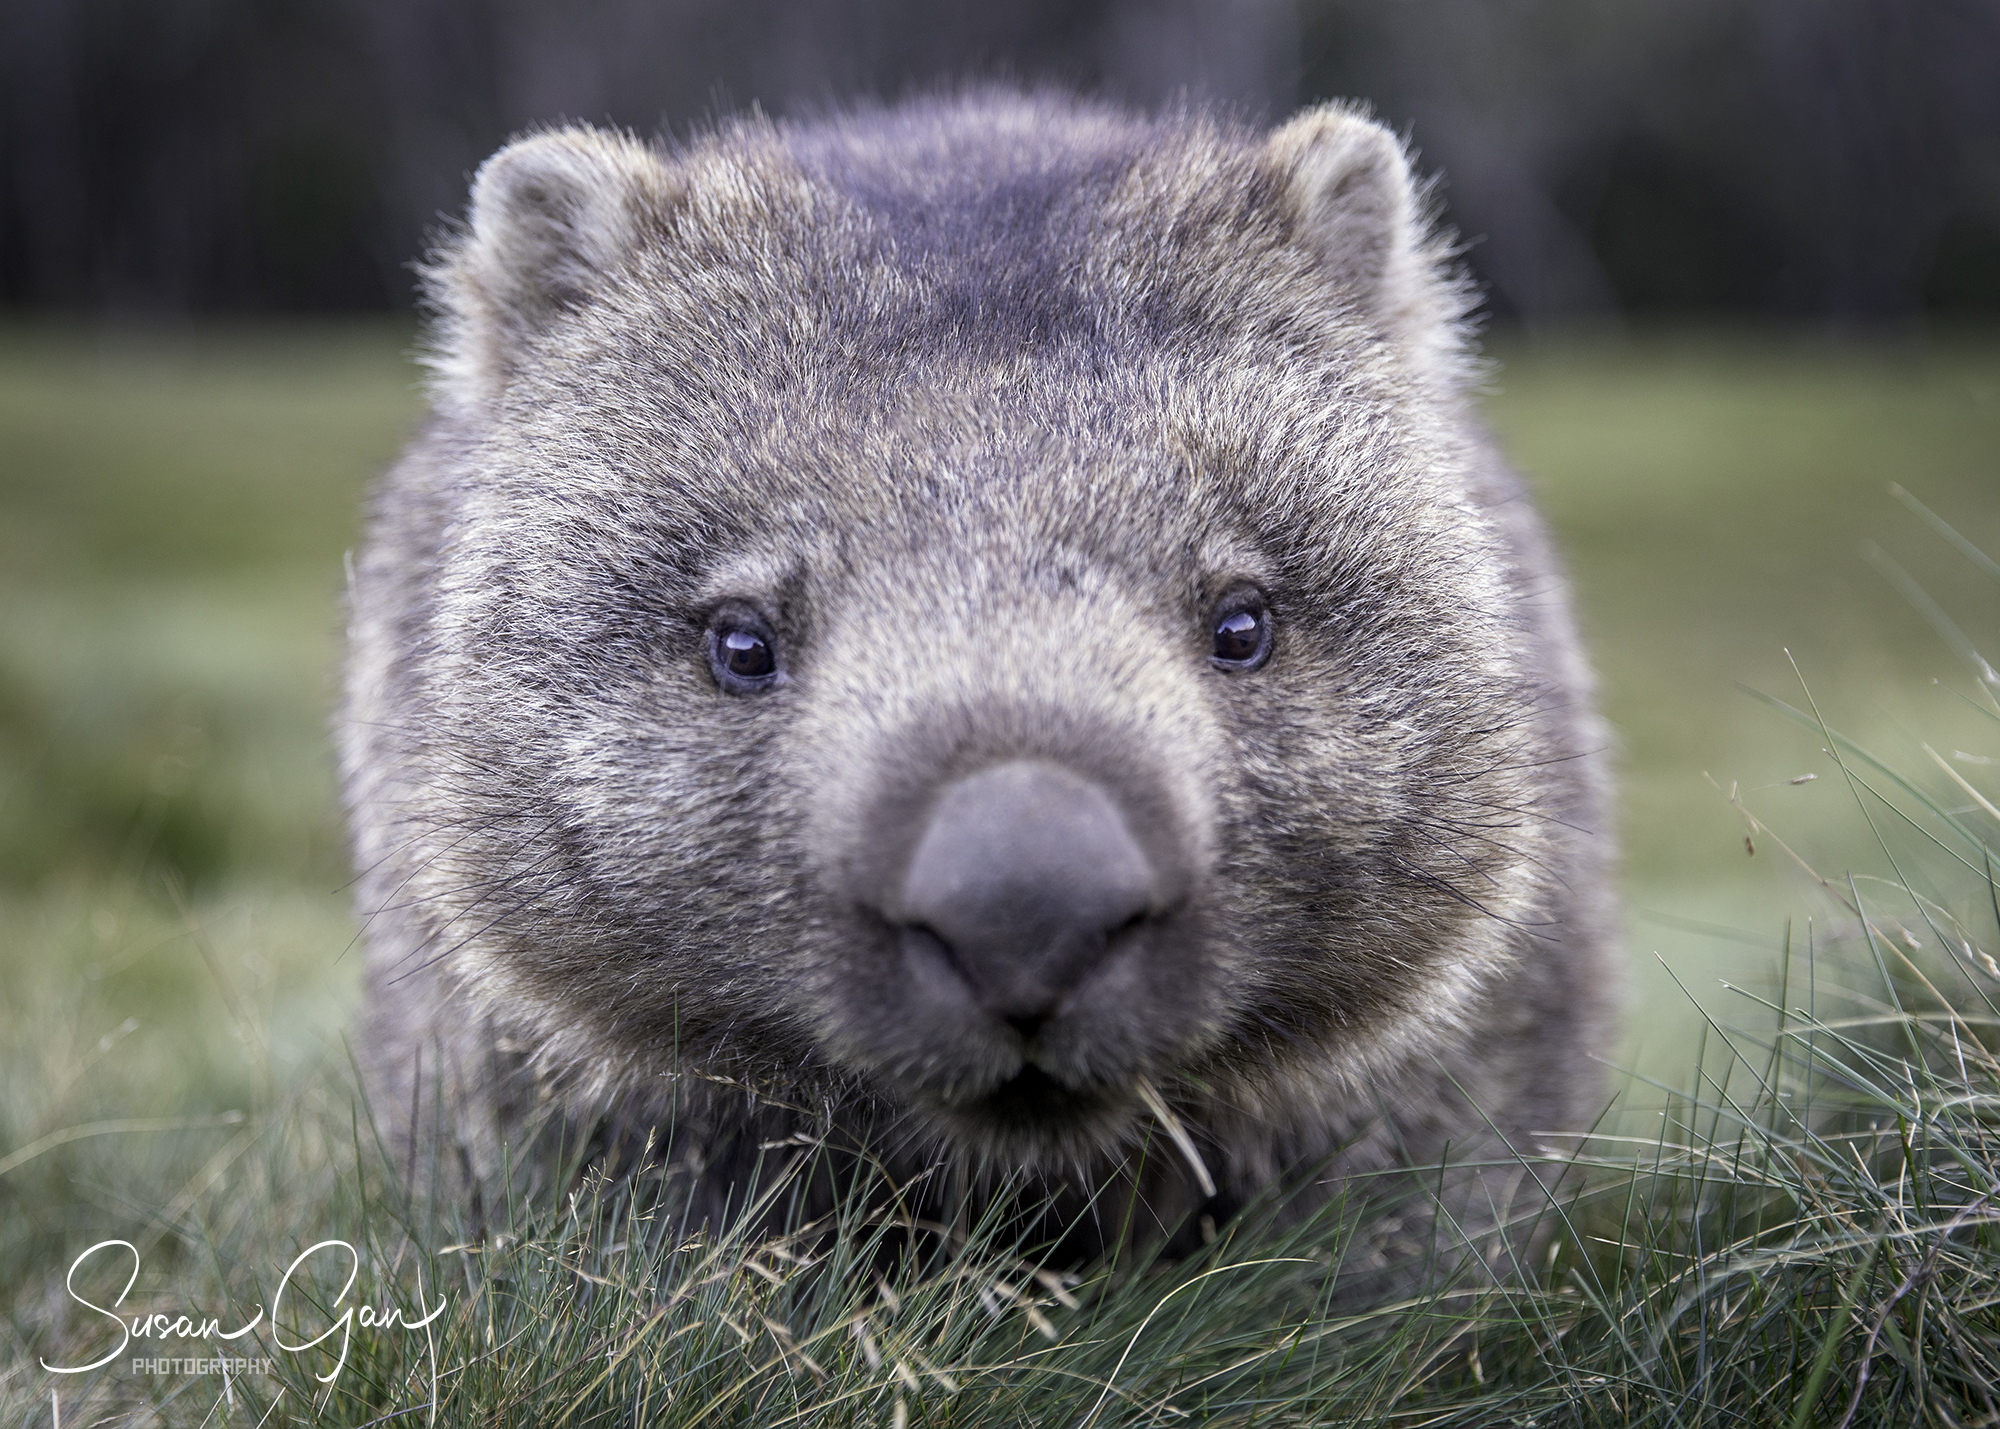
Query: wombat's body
x,y
951,632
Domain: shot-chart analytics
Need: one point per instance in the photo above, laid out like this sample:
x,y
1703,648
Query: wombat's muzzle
x,y
1025,878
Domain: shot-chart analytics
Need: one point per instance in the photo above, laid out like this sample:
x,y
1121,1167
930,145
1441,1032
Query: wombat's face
x,y
988,669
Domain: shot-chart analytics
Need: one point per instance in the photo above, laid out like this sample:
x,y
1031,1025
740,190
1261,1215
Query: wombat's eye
x,y
742,655
1242,633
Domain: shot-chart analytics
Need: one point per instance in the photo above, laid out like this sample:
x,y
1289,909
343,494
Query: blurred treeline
x,y
1830,158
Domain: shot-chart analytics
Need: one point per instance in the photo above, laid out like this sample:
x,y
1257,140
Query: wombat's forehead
x,y
889,489
973,437
1054,459
967,486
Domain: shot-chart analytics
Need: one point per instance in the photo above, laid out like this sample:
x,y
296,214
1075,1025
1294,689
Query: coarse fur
x,y
977,407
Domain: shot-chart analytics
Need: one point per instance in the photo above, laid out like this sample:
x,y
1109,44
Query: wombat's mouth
x,y
1033,1106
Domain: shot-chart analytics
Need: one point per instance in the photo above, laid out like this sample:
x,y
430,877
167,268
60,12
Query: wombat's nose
x,y
1025,873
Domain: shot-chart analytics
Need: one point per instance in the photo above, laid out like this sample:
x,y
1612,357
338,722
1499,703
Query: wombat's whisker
x,y
1494,846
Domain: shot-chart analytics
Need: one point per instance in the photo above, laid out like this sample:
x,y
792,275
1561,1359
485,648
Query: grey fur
x,y
979,404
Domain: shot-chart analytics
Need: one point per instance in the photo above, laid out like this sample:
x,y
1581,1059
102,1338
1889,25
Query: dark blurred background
x,y
1831,159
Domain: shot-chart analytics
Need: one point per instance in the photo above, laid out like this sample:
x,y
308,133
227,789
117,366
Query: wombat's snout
x,y
1025,879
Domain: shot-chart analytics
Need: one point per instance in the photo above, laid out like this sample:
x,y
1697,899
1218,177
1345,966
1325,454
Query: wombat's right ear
x,y
1353,202
553,217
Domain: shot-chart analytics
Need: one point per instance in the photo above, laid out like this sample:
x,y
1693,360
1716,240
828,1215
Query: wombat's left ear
x,y
553,217
1346,181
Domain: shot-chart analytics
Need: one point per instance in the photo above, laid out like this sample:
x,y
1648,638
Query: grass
x,y
1792,1215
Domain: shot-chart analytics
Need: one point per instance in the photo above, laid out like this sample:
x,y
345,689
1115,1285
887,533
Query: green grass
x,y
177,960
1712,497
1712,493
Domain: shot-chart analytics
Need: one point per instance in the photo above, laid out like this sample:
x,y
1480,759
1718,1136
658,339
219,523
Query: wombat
x,y
986,633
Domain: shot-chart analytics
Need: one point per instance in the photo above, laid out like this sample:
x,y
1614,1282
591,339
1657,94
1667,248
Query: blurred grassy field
x,y
1717,496
174,508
